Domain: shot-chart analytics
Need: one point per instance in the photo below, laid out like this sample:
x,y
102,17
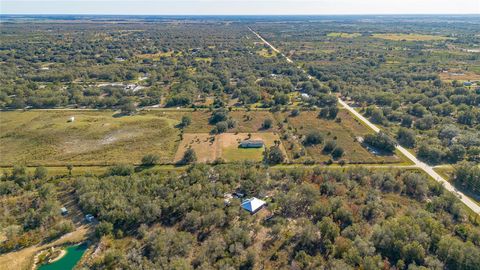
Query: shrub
x,y
221,127
189,156
267,123
329,146
128,108
337,152
120,170
40,173
430,153
186,121
150,160
406,137
380,141
219,115
313,138
274,155
103,228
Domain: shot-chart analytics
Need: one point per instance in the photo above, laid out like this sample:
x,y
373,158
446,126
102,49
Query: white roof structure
x,y
252,205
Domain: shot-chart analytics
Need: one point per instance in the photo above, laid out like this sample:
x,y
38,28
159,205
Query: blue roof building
x,y
251,144
253,205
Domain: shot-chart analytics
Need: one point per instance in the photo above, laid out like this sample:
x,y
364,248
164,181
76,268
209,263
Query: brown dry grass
x,y
95,138
410,37
252,121
204,145
459,75
344,133
247,121
211,147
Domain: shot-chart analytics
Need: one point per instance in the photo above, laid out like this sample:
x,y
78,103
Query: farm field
x,y
99,138
246,121
460,75
93,138
345,133
344,35
410,37
209,148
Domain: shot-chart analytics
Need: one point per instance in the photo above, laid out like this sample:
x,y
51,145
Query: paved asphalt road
x,y
425,167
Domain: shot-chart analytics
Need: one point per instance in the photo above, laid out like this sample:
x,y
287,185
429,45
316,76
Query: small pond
x,y
69,260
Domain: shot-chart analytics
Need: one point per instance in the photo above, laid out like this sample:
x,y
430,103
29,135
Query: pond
x,y
67,262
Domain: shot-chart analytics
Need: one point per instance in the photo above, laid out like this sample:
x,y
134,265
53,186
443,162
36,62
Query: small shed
x,y
71,119
251,144
227,197
89,217
238,194
64,211
253,205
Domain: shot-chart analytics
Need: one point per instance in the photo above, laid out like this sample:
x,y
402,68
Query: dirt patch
x,y
77,146
204,145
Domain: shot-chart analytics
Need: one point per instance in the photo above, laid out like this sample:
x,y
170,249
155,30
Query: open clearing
x,y
344,133
247,121
344,35
93,138
460,75
225,146
98,138
266,53
410,37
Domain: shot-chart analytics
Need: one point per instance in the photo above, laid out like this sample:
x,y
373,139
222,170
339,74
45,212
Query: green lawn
x,y
238,154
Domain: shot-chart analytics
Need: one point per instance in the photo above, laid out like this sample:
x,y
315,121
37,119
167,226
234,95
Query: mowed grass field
x,y
224,146
95,138
344,133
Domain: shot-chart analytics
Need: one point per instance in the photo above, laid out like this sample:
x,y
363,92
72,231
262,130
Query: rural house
x,y
251,144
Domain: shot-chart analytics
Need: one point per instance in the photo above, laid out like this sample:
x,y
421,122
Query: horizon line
x,y
206,14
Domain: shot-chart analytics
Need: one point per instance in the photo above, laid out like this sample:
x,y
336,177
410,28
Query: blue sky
x,y
250,7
